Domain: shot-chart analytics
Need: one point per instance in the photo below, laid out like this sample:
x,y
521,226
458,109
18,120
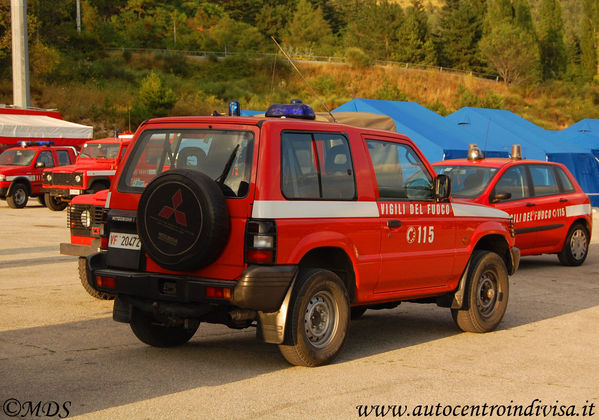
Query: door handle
x,y
530,204
563,200
394,224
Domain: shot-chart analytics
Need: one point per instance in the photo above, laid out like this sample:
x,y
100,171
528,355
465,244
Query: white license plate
x,y
124,241
74,192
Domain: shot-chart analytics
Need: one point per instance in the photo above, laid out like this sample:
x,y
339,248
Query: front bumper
x,y
260,288
62,192
79,250
514,259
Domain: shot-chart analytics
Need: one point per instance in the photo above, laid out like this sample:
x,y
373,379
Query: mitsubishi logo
x,y
167,211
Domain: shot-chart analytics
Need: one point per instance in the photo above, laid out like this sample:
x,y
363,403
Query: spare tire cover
x,y
183,220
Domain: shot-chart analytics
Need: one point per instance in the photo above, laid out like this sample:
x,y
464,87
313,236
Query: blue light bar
x,y
45,143
234,108
296,110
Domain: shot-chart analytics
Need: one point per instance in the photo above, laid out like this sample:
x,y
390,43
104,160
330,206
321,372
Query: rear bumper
x,y
260,288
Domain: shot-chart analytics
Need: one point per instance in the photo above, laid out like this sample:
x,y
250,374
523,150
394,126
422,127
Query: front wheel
x,y
576,246
318,321
54,203
149,331
18,196
487,294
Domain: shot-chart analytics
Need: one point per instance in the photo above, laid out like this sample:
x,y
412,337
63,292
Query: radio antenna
x,y
303,78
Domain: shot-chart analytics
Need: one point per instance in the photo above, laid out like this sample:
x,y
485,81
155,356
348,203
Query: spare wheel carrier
x,y
183,220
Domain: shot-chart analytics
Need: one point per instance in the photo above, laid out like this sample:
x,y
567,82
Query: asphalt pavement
x,y
61,355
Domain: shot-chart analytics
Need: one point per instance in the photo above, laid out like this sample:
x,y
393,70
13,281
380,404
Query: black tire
x,y
148,331
357,312
183,220
576,246
98,186
55,203
18,196
41,200
83,277
318,321
487,294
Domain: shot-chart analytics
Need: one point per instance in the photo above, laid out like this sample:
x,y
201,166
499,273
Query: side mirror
x,y
40,165
496,198
442,187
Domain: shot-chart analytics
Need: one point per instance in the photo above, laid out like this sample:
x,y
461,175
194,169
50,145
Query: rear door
x,y
418,235
550,213
521,204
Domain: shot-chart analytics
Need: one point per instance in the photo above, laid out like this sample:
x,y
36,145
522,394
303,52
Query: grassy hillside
x,y
202,86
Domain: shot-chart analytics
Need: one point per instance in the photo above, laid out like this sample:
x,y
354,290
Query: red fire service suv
x,y
93,171
85,217
21,170
291,225
551,213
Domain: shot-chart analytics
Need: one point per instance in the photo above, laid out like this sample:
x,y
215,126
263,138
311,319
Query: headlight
x,y
86,218
2,177
49,177
78,178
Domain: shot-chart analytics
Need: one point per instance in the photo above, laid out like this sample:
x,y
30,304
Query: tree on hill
x,y
551,40
414,39
509,42
307,29
153,99
589,39
374,28
460,30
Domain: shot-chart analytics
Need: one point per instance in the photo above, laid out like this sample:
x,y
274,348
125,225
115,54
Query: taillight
x,y
218,292
105,282
260,241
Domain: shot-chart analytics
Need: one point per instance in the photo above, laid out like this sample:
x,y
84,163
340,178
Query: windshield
x,y
100,151
17,157
467,181
223,155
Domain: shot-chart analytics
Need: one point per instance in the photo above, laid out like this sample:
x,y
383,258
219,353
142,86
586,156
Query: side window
x,y
543,180
45,157
316,166
513,181
63,157
567,186
400,174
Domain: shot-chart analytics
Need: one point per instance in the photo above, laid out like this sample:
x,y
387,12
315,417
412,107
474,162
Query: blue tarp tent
x,y
536,142
433,135
584,133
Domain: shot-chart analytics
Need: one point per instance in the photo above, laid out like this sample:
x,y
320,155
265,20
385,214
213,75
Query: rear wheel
x,y
318,321
486,294
18,196
149,331
54,203
83,277
576,246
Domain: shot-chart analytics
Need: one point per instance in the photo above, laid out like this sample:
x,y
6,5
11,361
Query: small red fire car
x,y
93,171
551,213
21,170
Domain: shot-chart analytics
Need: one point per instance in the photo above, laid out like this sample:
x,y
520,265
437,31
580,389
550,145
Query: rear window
x,y
317,166
223,155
